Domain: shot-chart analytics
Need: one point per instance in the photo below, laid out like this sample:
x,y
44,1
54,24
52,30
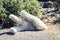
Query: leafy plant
x,y
8,7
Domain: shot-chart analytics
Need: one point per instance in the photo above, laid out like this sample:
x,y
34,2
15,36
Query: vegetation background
x,y
8,7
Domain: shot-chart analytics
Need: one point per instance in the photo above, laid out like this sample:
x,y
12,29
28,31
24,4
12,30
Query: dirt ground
x,y
53,29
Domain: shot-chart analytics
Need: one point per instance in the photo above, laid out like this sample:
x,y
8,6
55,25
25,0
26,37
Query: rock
x,y
39,35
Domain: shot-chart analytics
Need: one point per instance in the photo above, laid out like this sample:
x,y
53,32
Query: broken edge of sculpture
x,y
34,20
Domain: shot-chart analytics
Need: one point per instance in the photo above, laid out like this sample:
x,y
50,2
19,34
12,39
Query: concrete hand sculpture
x,y
28,22
22,25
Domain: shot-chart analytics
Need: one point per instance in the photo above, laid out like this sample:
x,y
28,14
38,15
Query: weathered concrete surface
x,y
28,35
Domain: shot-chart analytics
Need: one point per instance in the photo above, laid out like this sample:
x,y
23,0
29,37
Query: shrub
x,y
8,7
